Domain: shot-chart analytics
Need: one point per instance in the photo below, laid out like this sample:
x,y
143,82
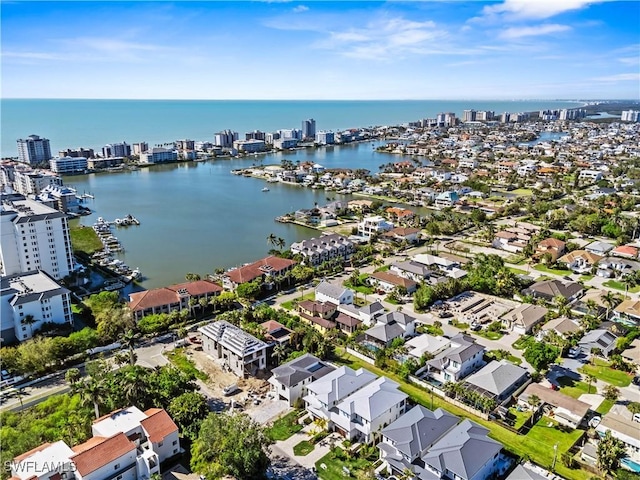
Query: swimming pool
x,y
630,464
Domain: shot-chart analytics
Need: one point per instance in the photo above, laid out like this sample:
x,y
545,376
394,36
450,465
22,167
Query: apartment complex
x,y
33,150
321,249
34,237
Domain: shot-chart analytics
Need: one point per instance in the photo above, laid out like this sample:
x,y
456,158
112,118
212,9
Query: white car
x,y
594,422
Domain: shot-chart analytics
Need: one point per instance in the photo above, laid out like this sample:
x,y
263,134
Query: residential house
x,y
321,249
509,241
386,282
619,422
360,416
275,332
562,326
289,380
632,353
409,438
550,289
426,344
402,234
441,265
600,339
127,444
318,314
375,225
268,269
552,246
172,298
390,326
629,310
336,294
599,248
497,380
580,261
626,251
400,214
446,199
242,353
566,410
464,453
463,357
369,313
522,319
616,267
522,473
416,271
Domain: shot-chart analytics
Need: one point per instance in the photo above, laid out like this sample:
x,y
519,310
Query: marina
x,y
111,247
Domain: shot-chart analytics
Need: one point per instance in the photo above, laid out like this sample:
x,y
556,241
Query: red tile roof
x,y
158,297
625,250
552,242
393,279
158,424
401,232
271,325
254,270
102,453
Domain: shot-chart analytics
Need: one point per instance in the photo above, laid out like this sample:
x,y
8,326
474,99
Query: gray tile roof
x,y
464,450
397,317
415,431
521,473
385,332
330,290
411,266
372,308
301,368
374,399
498,377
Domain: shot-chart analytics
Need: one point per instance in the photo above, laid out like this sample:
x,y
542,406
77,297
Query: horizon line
x,y
334,99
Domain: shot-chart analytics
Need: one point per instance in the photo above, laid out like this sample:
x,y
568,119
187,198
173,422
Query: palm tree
x,y
93,391
279,351
610,299
630,280
590,379
29,320
129,340
280,243
534,401
272,239
634,408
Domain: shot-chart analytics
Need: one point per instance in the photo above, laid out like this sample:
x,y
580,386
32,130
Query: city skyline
x,y
511,49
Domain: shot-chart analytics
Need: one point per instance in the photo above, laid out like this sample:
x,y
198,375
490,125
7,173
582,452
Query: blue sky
x,y
510,49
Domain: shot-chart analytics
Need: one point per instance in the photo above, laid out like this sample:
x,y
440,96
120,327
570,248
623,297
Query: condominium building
x,y
29,300
116,150
33,182
249,146
34,237
62,165
78,152
325,138
140,147
309,128
630,116
225,138
159,155
469,116
375,225
320,249
34,150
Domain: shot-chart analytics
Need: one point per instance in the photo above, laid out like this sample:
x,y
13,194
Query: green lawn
x,y
334,462
574,388
547,433
620,286
489,335
431,330
180,360
511,358
84,239
518,271
531,446
602,371
521,417
285,427
460,325
543,268
383,268
585,278
523,342
303,448
526,192
605,406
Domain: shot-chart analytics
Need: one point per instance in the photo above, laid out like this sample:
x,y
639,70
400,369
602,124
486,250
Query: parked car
x,y
595,421
230,390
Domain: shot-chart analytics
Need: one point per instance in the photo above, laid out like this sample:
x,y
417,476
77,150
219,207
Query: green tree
x,y
189,411
611,393
279,351
610,450
192,277
590,380
249,290
230,444
93,391
540,355
29,320
129,340
634,408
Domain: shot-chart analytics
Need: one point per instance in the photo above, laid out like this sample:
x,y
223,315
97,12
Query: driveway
x,y
307,461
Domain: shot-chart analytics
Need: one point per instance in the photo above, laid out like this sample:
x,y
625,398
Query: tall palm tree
x,y
279,351
129,340
272,239
610,299
29,320
280,243
590,379
93,392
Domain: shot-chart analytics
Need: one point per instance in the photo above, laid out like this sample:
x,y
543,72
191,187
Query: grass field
x,y
335,462
511,358
303,448
84,239
523,342
180,360
574,388
521,417
490,335
602,371
620,286
518,271
285,427
605,406
537,445
555,271
292,304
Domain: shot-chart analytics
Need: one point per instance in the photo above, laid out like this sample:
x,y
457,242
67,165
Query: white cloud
x,y
534,31
537,9
300,9
629,60
619,77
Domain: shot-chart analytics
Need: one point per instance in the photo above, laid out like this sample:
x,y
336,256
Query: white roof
x,y
421,344
52,455
119,421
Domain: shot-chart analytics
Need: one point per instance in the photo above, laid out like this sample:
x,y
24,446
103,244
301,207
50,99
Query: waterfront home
x,y
580,261
552,246
240,352
173,297
523,318
386,282
28,301
400,214
360,416
497,380
269,269
602,340
566,410
629,310
328,292
409,438
289,380
402,234
360,206
375,225
321,249
128,444
390,326
446,199
463,357
550,289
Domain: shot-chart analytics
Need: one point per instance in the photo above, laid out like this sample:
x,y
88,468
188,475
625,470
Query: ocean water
x,y
94,123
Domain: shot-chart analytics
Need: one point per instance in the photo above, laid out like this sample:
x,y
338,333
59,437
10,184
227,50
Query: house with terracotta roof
x,y
268,269
173,297
127,444
386,282
275,332
400,234
242,353
626,251
552,246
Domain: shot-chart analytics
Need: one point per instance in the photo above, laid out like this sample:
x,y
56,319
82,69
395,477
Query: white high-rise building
x,y
34,237
630,116
225,138
34,150
32,182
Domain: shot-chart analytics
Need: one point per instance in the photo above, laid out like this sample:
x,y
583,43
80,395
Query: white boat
x,y
265,189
